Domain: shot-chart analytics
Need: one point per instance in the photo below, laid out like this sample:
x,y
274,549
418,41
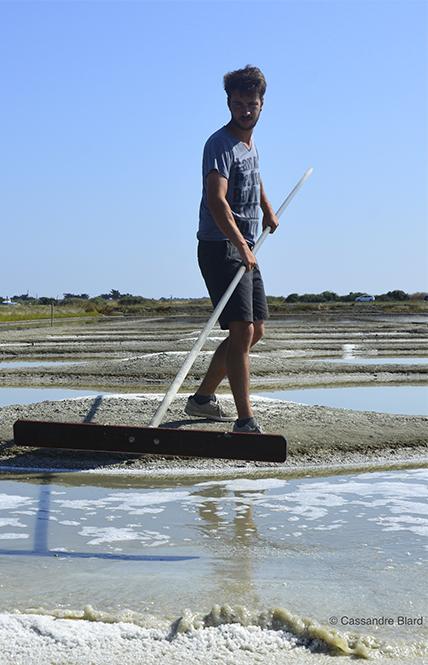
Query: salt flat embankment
x,y
142,356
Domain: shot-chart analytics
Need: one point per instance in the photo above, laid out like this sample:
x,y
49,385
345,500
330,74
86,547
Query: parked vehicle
x,y
365,299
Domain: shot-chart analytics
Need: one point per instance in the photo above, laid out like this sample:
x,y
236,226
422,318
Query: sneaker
x,y
211,410
248,428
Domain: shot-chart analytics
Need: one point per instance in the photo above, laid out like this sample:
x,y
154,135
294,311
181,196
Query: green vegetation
x,y
27,308
29,312
330,296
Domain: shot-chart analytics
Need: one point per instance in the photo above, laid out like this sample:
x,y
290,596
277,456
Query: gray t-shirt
x,y
226,154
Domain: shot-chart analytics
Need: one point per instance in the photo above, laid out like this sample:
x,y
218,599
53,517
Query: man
x,y
228,226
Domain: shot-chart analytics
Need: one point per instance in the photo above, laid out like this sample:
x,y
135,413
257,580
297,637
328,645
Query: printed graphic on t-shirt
x,y
246,187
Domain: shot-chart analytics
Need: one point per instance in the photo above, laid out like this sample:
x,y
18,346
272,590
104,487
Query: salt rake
x,y
165,440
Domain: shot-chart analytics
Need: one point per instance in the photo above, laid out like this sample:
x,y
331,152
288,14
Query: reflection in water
x,y
237,531
228,526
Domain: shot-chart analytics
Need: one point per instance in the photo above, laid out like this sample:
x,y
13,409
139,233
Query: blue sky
x,y
106,107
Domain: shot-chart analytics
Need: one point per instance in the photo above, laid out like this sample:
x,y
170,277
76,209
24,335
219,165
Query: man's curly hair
x,y
249,79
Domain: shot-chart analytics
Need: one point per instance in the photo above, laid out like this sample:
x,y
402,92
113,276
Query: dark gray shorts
x,y
219,262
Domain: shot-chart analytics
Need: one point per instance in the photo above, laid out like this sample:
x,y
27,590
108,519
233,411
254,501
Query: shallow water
x,y
406,400
11,364
9,396
377,360
335,549
404,318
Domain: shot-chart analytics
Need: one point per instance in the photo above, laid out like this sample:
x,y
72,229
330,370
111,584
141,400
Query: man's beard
x,y
243,127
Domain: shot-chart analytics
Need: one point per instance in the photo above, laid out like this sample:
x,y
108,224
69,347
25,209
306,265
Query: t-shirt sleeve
x,y
216,158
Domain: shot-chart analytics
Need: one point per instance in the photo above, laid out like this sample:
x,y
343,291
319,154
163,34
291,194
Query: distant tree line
x,y
330,296
129,299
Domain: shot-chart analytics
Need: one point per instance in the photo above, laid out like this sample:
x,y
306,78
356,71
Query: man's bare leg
x,y
216,371
231,359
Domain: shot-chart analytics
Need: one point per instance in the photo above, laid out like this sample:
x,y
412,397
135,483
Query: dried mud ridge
x,y
144,355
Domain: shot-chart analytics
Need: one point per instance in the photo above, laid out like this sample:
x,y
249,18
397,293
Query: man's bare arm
x,y
223,216
269,217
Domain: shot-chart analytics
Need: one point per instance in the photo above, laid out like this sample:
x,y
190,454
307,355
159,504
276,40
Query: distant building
x,y
7,302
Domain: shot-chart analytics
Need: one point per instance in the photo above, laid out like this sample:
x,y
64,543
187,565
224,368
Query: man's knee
x,y
259,331
241,334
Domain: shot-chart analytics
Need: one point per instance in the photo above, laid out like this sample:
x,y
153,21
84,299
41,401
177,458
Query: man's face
x,y
245,109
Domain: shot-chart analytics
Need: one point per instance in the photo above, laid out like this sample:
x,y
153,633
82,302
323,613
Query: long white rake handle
x,y
190,359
